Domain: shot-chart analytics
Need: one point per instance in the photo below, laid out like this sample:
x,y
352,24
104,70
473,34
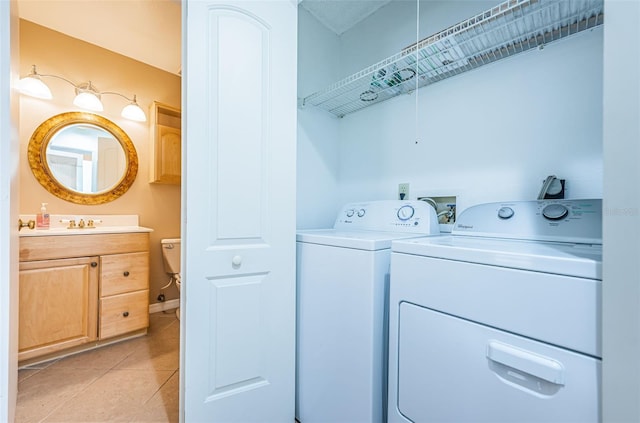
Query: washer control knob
x,y
555,212
406,212
505,213
350,213
361,212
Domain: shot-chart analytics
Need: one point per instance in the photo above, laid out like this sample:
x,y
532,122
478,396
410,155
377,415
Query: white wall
x,y
318,138
487,135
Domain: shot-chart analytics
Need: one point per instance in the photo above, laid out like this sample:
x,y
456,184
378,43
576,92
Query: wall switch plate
x,y
403,191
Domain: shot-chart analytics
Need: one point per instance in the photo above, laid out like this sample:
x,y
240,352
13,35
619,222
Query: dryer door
x,y
455,370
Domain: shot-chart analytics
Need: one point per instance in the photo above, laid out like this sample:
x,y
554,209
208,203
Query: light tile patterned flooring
x,y
132,381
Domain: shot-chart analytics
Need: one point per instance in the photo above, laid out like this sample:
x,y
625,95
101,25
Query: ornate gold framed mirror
x,y
82,158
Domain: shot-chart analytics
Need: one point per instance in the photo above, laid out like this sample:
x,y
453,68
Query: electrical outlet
x,y
403,191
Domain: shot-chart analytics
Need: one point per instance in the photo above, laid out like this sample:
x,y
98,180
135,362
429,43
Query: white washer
x,y
500,321
343,276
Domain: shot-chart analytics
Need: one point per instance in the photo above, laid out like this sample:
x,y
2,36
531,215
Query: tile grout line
x,y
135,418
160,387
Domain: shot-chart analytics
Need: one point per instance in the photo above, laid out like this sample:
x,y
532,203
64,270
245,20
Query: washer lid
x,y
360,240
579,260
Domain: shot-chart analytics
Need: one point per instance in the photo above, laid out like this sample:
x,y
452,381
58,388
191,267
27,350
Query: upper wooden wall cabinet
x,y
165,158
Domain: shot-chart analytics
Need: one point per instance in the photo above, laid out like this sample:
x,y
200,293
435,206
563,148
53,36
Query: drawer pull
x,y
94,264
125,314
126,273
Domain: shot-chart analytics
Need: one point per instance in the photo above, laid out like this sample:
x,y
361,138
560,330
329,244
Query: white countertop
x,y
104,224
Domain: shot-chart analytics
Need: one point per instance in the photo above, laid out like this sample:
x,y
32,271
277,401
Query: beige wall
x,y
158,206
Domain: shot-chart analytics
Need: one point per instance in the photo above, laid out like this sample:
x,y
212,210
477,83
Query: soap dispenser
x,y
42,218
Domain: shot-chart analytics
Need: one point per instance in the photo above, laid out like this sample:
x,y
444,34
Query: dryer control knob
x,y
361,212
406,212
350,212
505,213
555,212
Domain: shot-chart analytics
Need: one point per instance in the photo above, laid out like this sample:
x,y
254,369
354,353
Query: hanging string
x,y
417,67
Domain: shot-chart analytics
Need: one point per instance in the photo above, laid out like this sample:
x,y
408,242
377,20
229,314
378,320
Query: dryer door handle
x,y
526,361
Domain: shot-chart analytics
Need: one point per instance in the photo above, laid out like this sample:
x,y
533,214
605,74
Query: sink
x,y
104,224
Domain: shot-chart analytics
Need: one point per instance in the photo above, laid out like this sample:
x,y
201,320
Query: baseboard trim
x,y
163,306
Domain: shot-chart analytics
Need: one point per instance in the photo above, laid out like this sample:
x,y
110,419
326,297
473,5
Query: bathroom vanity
x,y
81,288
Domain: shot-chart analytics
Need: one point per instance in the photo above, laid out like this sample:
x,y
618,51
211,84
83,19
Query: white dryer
x,y
500,321
342,281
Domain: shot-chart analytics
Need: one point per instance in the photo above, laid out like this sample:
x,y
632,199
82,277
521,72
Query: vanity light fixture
x,y
87,95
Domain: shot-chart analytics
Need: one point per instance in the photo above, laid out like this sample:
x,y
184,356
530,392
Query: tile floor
x,y
132,381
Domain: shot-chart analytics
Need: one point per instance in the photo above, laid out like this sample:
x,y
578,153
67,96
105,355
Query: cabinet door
x,y
166,144
168,158
58,301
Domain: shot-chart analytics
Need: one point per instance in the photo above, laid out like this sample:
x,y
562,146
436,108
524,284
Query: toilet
x,y
171,260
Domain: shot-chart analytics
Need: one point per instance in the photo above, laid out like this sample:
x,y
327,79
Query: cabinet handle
x,y
126,273
94,264
125,314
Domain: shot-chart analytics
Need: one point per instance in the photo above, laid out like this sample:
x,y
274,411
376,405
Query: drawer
x,y
120,273
66,246
124,313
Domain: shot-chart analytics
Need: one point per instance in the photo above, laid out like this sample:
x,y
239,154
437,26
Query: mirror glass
x,y
83,158
86,158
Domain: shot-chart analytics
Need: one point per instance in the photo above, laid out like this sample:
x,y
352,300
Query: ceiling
x,y
150,30
340,16
146,30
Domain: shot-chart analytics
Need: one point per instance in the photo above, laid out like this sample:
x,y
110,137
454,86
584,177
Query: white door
x,y
238,294
110,165
9,159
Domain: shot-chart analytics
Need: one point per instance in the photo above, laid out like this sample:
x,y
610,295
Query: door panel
x,y
238,333
239,239
241,126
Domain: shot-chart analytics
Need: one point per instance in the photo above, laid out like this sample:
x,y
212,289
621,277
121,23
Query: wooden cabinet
x,y
124,293
58,304
166,145
80,291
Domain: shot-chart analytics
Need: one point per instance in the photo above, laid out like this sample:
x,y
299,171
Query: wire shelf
x,y
509,28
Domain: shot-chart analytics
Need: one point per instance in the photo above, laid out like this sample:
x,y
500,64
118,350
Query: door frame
x,y
9,189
